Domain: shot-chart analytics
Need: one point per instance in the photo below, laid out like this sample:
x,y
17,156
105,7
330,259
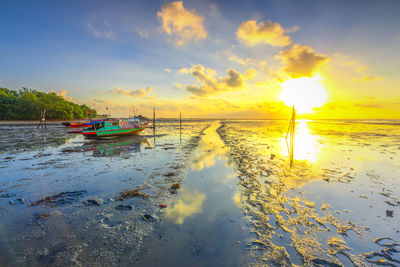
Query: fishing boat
x,y
112,127
80,124
73,124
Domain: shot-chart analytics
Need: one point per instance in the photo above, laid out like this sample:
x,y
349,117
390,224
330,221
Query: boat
x,y
73,124
113,127
80,124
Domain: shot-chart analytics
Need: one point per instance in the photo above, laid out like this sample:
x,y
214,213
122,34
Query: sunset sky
x,y
224,59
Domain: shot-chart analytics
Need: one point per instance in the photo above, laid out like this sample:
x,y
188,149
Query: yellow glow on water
x,y
306,145
212,148
304,93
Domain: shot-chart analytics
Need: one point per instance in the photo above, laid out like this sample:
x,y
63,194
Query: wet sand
x,y
220,194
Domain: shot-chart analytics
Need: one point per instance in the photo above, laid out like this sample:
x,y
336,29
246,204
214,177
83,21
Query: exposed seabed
x,y
217,193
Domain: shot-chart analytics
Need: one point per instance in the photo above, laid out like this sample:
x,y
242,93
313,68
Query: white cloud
x,y
181,24
101,29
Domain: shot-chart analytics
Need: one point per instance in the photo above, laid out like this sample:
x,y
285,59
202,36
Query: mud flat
x,y
221,193
340,197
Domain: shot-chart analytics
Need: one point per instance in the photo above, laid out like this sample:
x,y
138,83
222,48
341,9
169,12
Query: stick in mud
x,y
42,119
180,126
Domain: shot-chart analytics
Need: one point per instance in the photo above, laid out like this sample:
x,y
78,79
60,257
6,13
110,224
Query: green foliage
x,y
27,104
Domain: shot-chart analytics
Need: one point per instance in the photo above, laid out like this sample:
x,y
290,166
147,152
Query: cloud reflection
x,y
187,205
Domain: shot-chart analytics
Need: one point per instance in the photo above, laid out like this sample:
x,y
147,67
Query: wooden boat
x,y
74,124
80,124
112,127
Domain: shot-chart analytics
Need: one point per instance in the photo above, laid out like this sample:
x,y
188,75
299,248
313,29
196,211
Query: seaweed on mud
x,y
264,181
59,199
386,255
130,194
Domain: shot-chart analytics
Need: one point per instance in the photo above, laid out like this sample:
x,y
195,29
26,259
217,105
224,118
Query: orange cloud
x,y
184,25
252,33
301,61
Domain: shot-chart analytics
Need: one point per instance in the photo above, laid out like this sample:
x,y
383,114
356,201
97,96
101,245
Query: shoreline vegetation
x,y
28,104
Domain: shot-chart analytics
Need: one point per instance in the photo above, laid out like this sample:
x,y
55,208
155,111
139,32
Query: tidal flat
x,y
214,193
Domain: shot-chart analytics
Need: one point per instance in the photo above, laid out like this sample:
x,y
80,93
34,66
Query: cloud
x,y
250,74
184,70
370,78
141,92
357,66
349,61
178,85
168,70
258,62
368,105
237,59
101,30
301,61
63,94
142,33
252,33
187,205
181,24
211,85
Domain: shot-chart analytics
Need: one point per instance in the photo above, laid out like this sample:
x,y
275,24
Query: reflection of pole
x,y
180,126
291,133
154,122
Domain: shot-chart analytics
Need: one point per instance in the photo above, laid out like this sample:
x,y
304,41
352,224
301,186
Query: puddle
x,y
202,222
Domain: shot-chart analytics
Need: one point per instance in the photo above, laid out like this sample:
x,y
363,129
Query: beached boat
x,y
81,124
73,124
113,127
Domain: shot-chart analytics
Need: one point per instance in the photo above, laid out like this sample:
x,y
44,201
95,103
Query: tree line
x,y
28,104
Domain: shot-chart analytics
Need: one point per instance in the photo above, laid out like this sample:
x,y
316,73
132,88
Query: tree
x,y
27,104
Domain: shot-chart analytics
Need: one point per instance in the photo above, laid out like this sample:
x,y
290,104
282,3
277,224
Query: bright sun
x,y
304,93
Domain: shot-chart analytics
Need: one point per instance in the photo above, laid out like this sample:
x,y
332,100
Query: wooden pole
x,y
180,127
292,134
42,119
154,120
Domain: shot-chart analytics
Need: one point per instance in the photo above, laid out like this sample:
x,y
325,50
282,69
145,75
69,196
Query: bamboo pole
x,y
154,126
292,134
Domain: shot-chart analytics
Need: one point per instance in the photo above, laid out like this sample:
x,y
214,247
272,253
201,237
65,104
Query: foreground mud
x,y
292,222
221,193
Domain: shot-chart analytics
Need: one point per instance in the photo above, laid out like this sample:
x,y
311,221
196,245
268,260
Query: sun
x,y
304,93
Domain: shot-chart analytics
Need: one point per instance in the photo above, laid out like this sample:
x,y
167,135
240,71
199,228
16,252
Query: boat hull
x,y
114,132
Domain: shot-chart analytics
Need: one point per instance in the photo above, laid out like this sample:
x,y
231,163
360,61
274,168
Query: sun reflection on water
x,y
307,146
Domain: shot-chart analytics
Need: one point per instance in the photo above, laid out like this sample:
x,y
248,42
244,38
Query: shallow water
x,y
227,193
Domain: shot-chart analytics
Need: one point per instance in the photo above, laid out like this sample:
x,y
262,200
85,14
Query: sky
x,y
208,59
